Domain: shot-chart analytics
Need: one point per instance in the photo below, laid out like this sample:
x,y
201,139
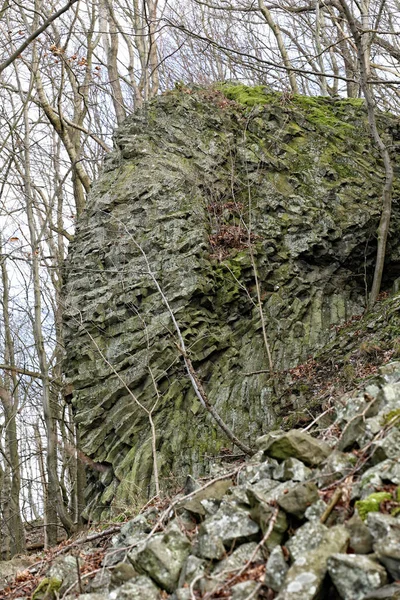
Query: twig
x,y
334,500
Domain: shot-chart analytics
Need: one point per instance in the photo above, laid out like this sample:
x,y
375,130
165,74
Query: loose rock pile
x,y
306,518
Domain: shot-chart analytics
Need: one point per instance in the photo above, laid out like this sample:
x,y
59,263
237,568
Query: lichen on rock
x,y
215,191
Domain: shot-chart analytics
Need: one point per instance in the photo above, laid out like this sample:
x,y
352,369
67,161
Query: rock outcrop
x,y
240,537
214,204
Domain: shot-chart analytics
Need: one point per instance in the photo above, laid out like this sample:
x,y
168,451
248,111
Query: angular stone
x,y
336,466
122,573
163,556
315,511
305,577
230,523
265,493
255,472
276,569
354,575
297,444
293,469
307,537
299,498
387,592
209,546
238,558
388,553
192,568
216,491
360,535
132,532
65,569
381,526
241,591
262,514
141,588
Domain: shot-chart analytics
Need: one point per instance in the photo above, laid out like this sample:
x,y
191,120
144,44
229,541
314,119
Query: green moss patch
x,y
372,503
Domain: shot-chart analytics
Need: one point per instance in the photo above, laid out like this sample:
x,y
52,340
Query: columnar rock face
x,y
209,196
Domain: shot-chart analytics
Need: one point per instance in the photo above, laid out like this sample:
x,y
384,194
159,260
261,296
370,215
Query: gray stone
x,y
238,559
91,596
386,471
242,591
215,491
337,466
354,575
388,447
255,472
276,569
360,536
182,594
388,553
163,556
141,588
164,187
390,373
297,444
387,592
315,511
192,568
353,431
230,523
293,469
263,492
132,533
307,537
100,582
209,546
298,498
305,577
382,526
122,573
262,514
65,569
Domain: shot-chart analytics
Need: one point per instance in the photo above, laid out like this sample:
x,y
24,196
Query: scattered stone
x,y
163,556
141,588
276,569
353,431
292,469
192,568
316,510
216,491
297,444
387,592
337,466
209,546
388,553
307,537
305,577
122,573
241,591
65,569
133,532
262,514
381,526
230,523
360,535
354,575
237,559
298,499
253,473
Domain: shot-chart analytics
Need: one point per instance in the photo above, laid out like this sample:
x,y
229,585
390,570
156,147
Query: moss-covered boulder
x,y
231,201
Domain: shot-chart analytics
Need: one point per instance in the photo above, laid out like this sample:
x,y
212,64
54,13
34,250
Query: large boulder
x,y
195,178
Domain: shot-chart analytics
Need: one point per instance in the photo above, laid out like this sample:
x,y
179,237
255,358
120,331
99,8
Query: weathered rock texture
x,y
196,177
